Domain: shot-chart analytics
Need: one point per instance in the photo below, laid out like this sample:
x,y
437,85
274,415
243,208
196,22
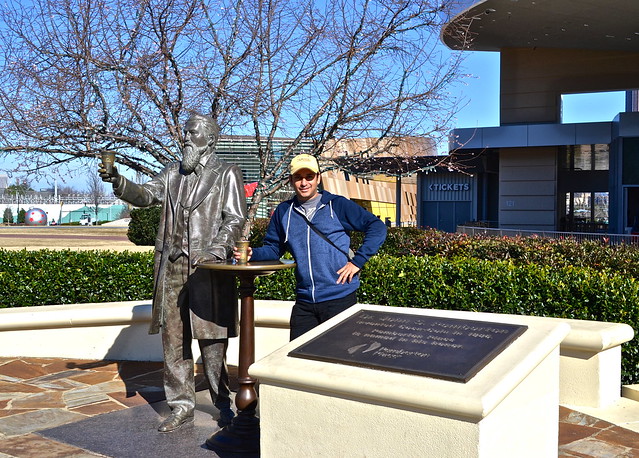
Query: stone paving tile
x,y
9,412
131,397
141,387
113,385
593,448
53,365
584,436
62,384
621,437
36,420
134,400
13,387
578,418
93,366
48,400
131,369
93,378
41,393
54,376
142,384
35,446
570,433
84,396
99,408
22,370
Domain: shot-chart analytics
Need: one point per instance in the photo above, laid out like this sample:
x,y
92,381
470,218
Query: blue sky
x,y
482,96
479,106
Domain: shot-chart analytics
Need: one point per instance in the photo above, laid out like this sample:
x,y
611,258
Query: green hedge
x,y
599,254
46,277
143,227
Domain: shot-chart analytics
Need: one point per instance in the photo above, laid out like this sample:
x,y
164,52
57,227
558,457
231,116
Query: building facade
x,y
372,190
538,173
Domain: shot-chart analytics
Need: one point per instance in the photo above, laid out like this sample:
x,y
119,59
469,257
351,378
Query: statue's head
x,y
200,135
207,124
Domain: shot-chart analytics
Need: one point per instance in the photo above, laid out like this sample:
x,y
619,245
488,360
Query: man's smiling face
x,y
305,183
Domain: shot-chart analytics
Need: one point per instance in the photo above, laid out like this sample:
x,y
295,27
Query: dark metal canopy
x,y
608,25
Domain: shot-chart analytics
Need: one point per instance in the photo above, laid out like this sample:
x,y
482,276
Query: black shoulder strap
x,y
349,256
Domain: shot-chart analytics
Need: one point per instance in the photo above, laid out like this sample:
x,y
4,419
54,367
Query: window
x,y
585,212
581,206
630,174
581,158
632,206
600,208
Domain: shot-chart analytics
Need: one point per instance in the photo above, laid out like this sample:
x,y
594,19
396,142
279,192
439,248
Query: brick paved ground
x,y
41,394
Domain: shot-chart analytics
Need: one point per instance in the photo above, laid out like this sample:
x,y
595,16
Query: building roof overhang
x,y
536,135
568,24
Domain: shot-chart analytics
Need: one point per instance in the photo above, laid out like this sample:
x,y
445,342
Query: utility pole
x,y
398,200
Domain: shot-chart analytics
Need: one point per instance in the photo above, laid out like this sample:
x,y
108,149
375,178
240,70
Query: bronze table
x,y
243,434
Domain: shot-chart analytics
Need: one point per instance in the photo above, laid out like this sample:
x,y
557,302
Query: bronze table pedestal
x,y
243,434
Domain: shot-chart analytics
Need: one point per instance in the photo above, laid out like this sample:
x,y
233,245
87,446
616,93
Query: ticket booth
x,y
448,198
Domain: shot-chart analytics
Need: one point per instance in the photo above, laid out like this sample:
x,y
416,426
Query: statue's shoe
x,y
175,420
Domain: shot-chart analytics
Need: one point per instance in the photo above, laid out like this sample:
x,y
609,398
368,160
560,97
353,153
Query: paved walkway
x,y
115,238
67,237
82,409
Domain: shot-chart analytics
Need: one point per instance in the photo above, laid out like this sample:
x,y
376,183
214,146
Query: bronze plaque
x,y
445,348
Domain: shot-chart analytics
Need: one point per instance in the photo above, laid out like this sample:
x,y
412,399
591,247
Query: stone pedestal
x,y
509,408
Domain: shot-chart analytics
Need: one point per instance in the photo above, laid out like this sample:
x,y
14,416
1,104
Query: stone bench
x,y
117,331
590,361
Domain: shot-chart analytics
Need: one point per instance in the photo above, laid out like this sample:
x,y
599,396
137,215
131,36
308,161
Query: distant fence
x,y
35,199
613,239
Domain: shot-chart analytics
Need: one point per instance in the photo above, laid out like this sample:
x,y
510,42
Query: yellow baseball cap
x,y
304,161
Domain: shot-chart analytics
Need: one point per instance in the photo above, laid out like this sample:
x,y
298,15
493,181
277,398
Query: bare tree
x,y
83,76
95,191
87,76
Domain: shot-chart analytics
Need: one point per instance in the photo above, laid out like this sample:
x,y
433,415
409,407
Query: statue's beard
x,y
191,156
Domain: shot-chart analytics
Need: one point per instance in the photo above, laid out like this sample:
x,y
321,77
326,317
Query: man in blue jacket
x,y
315,227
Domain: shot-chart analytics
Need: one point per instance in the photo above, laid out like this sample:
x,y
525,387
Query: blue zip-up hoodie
x,y
317,260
